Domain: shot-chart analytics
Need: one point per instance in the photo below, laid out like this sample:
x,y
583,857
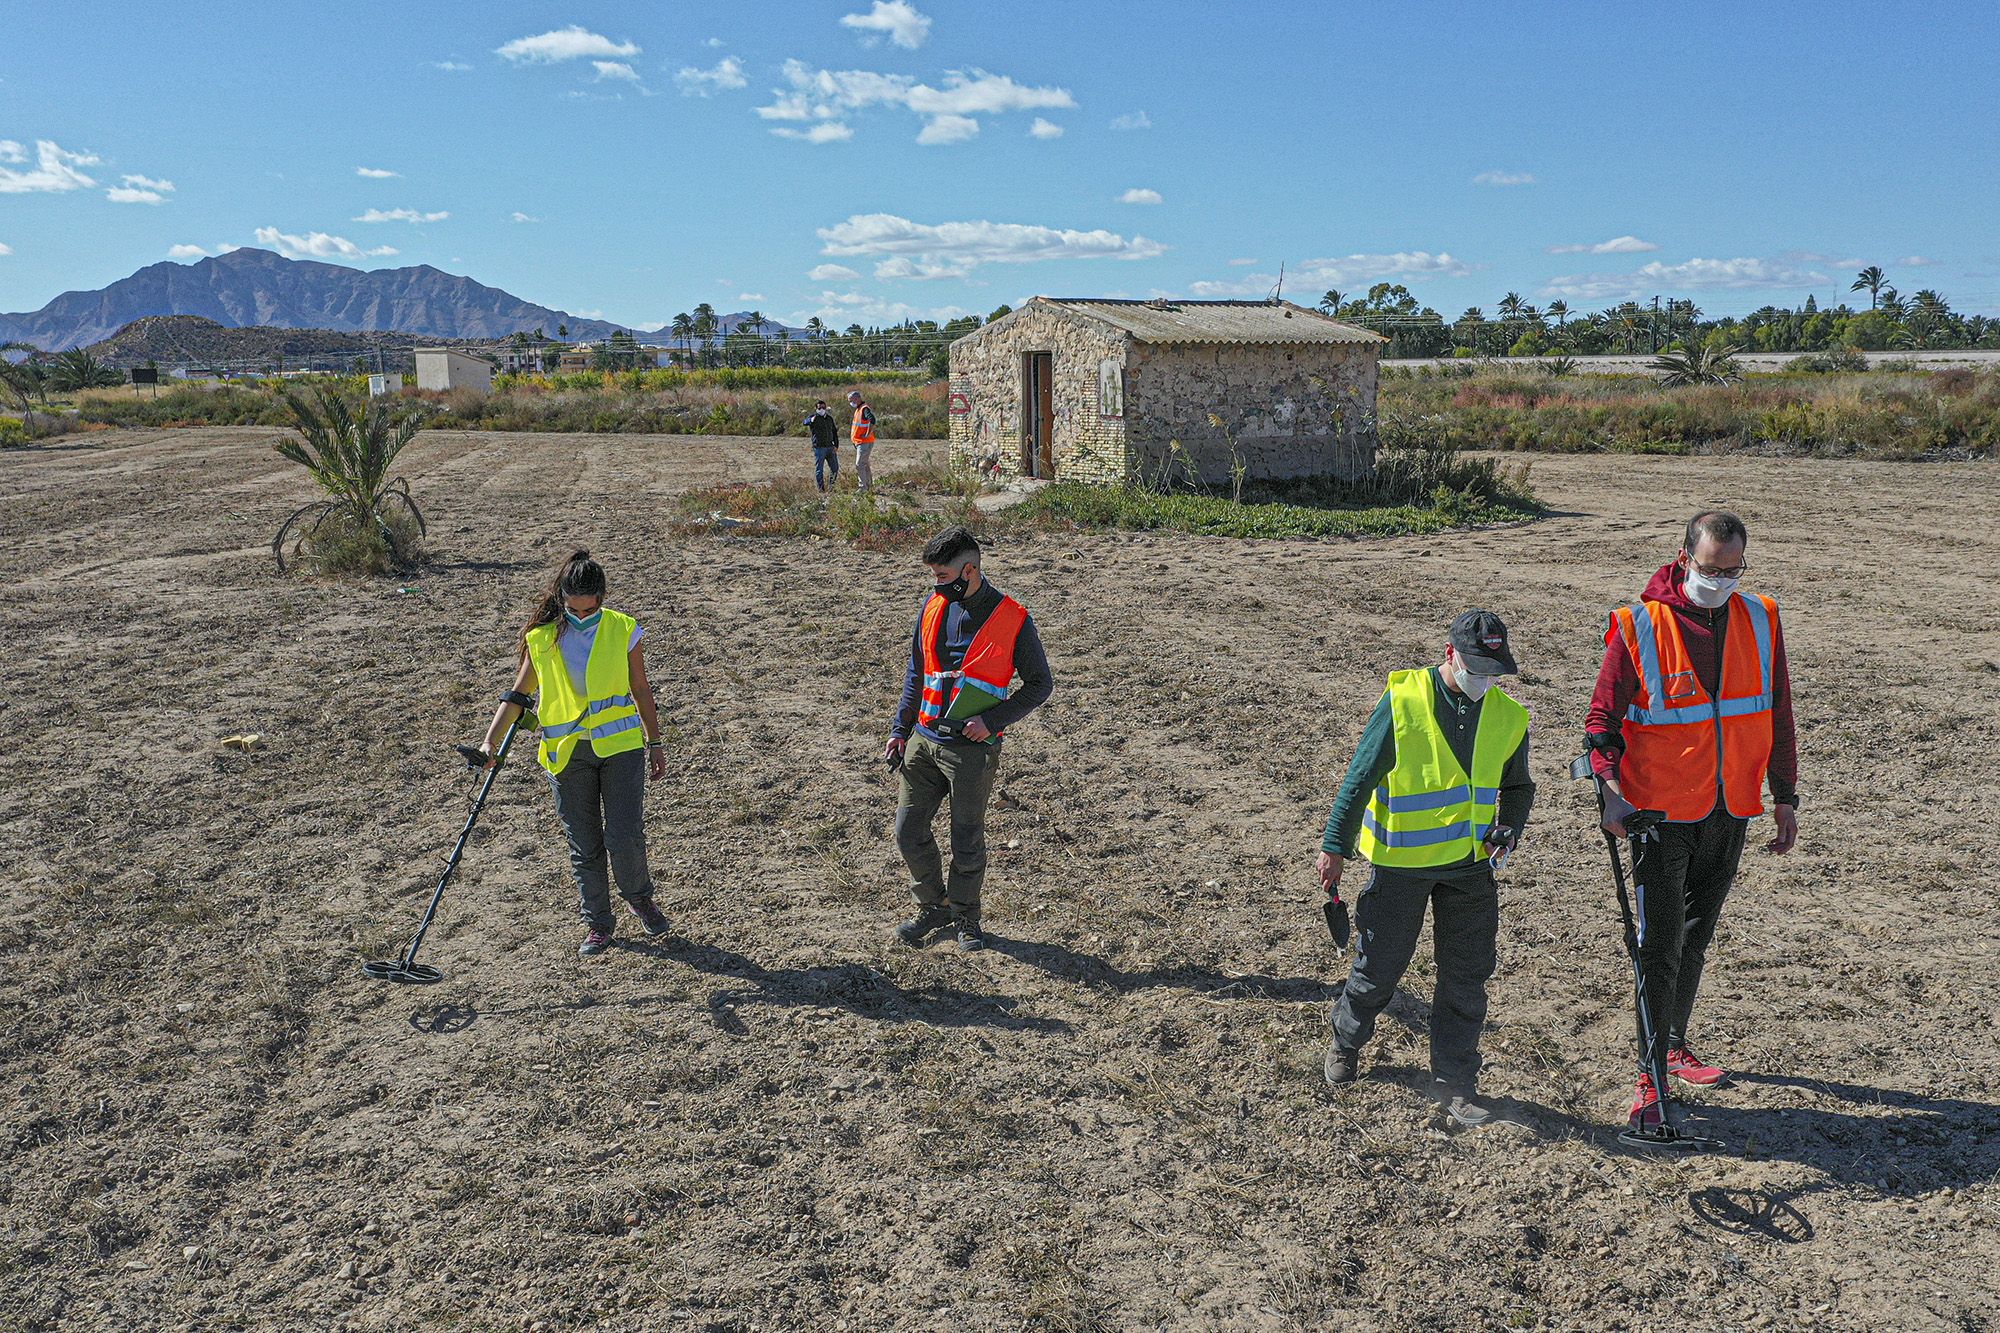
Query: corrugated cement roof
x,y
1218,321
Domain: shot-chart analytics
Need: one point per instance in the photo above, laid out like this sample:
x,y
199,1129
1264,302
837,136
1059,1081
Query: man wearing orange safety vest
x,y
862,432
1695,699
971,641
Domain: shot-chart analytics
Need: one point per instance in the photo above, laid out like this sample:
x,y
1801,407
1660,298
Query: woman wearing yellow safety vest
x,y
1437,792
600,740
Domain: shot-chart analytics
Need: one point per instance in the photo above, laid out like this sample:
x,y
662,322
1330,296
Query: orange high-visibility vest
x,y
988,668
864,429
1680,744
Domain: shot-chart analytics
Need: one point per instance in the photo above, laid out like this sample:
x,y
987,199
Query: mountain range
x,y
257,288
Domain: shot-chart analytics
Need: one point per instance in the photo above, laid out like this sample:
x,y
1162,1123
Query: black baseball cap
x,y
1480,640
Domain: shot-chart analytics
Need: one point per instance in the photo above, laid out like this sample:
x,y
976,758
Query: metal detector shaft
x,y
407,966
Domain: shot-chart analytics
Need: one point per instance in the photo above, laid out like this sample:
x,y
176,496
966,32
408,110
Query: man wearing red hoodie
x,y
1697,698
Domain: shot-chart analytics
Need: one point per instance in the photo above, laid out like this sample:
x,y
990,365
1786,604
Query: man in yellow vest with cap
x,y
1438,789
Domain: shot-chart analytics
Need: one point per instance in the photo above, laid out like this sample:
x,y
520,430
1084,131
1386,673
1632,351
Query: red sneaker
x,y
1646,1112
1684,1065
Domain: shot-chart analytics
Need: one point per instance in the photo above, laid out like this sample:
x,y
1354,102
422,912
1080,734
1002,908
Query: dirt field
x,y
781,1119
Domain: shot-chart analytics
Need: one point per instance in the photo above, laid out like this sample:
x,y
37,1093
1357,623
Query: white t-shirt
x,y
575,645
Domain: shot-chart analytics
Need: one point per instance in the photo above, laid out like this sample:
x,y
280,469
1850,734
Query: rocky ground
x,y
779,1118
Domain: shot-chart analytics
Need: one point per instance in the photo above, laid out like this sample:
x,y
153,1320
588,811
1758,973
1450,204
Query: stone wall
x,y
986,369
1305,410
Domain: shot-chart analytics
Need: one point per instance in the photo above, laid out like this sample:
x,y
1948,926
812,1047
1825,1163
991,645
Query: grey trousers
x,y
602,805
1465,923
933,774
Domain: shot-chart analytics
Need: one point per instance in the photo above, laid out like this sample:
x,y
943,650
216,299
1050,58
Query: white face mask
x,y
1474,686
1706,591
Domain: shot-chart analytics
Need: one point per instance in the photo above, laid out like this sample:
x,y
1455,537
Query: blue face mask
x,y
584,622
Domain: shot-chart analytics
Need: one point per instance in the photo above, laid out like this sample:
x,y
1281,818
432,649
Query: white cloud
x,y
1694,275
450,66
897,20
1341,271
1241,263
843,308
727,74
1915,261
6,249
948,129
523,217
12,151
1503,178
824,94
827,131
713,43
186,252
925,270
1617,245
615,69
1132,120
55,170
832,273
317,245
966,244
571,43
1045,129
749,296
139,190
400,215
376,173
1139,196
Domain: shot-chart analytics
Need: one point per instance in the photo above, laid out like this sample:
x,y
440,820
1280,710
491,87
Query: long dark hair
x,y
578,576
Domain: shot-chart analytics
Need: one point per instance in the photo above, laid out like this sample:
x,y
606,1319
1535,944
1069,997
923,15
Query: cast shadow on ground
x,y
1945,1141
856,987
1100,974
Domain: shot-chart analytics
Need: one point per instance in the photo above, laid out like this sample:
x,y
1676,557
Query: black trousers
x,y
1681,880
1388,920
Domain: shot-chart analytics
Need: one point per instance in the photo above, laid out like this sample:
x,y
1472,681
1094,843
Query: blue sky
x,y
870,159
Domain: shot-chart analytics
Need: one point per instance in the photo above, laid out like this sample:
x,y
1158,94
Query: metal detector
x,y
407,969
1640,826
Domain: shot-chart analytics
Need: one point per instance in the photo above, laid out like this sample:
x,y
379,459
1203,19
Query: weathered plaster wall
x,y
1297,411
986,369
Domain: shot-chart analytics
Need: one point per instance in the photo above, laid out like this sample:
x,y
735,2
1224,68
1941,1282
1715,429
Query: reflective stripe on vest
x,y
1681,744
605,714
988,668
1429,811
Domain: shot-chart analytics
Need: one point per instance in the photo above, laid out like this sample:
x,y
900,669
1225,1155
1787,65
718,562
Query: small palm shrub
x,y
369,524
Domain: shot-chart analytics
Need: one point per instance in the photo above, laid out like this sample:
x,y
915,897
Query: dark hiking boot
x,y
595,943
918,928
1342,1065
649,914
1461,1108
970,936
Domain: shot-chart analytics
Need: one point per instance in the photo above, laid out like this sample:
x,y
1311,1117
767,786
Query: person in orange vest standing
x,y
862,432
1692,716
971,641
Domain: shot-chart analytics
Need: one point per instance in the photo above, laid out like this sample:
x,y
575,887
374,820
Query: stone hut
x,y
1132,391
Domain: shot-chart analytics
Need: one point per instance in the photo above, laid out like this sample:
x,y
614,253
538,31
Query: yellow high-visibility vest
x,y
1429,811
604,714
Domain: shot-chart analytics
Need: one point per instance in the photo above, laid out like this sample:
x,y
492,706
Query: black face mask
x,y
954,591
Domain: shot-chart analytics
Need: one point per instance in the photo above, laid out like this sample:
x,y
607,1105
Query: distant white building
x,y
447,368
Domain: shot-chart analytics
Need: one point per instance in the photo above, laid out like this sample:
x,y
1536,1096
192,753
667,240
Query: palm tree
x,y
683,328
562,332
25,381
1331,302
1931,305
1560,309
1694,362
1892,305
349,457
80,370
1511,307
1871,278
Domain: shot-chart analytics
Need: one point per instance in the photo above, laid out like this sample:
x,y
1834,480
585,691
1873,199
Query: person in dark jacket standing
x,y
825,431
1692,716
1437,792
970,642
